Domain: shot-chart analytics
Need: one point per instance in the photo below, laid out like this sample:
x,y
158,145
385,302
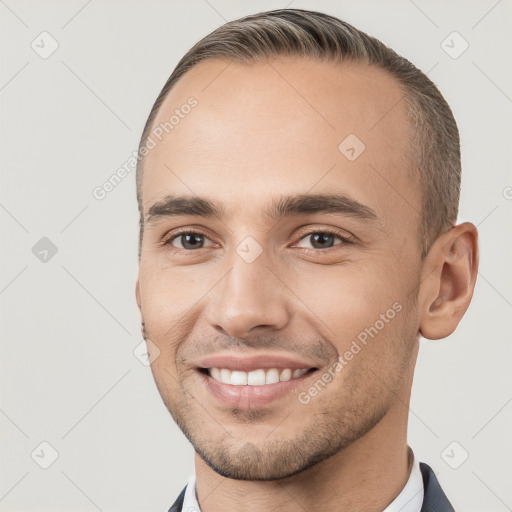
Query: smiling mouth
x,y
257,377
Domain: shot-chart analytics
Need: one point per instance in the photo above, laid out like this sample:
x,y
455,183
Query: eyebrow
x,y
283,206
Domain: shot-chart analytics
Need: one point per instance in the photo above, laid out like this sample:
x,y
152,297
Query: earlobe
x,y
448,281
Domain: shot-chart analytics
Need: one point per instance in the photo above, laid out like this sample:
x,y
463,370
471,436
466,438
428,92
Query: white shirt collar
x,y
410,498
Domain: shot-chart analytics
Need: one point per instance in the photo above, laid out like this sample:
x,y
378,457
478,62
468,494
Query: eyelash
x,y
345,240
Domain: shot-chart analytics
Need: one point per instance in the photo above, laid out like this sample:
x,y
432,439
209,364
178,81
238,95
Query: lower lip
x,y
250,397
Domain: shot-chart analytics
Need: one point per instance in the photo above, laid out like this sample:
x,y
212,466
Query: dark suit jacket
x,y
434,499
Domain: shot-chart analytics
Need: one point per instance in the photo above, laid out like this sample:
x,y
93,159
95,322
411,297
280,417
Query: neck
x,y
366,476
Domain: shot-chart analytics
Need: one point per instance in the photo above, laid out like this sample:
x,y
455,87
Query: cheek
x,y
164,305
171,300
167,294
349,299
366,313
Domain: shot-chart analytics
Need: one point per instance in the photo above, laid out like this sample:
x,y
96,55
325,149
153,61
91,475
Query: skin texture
x,y
260,131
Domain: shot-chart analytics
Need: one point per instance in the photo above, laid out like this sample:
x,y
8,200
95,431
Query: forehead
x,y
286,125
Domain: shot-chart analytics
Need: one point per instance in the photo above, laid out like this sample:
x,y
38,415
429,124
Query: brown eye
x,y
191,241
321,240
188,241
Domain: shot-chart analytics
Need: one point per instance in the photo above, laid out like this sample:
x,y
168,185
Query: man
x,y
298,190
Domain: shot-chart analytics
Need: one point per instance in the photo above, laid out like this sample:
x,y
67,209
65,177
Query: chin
x,y
272,458
251,463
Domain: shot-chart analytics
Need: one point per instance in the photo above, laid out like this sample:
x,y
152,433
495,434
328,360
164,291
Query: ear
x,y
448,280
137,294
137,298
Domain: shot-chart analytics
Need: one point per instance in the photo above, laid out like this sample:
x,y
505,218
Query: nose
x,y
249,297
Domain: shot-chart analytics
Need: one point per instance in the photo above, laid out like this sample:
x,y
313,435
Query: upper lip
x,y
248,363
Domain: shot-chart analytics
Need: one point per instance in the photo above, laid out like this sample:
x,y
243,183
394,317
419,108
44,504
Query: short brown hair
x,y
295,32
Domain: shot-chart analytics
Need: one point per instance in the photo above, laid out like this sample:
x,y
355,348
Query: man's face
x,y
262,290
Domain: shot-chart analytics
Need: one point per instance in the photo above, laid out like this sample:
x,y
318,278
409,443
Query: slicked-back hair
x,y
434,137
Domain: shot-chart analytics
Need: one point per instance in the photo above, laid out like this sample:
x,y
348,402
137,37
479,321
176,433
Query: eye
x,y
188,240
322,239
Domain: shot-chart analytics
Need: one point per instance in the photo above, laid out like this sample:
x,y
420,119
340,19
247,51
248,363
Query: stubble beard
x,y
333,425
317,436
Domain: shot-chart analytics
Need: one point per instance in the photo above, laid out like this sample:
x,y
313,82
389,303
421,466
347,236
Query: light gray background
x,y
70,325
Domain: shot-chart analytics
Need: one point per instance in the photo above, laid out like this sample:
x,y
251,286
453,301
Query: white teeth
x,y
255,377
272,376
238,378
285,375
225,376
